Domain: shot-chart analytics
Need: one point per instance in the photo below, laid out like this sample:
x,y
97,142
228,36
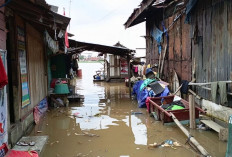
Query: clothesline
x,y
208,83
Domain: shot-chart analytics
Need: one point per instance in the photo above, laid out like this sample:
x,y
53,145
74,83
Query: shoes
x,y
23,143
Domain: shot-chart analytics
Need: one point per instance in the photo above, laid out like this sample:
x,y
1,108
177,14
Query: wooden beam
x,y
192,119
190,137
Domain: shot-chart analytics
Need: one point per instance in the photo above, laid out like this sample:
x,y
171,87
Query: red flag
x,y
66,35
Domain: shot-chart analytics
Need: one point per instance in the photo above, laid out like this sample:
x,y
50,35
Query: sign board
x,y
23,66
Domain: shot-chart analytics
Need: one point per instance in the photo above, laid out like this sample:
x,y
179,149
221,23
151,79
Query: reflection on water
x,y
138,128
106,112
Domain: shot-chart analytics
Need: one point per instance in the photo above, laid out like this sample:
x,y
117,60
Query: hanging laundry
x,y
222,92
221,88
214,91
136,69
3,76
140,69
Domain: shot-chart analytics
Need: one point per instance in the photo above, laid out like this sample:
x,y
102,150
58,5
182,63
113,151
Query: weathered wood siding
x,y
203,46
212,52
2,29
178,55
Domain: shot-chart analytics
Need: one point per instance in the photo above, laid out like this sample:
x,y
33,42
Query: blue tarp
x,y
157,35
142,95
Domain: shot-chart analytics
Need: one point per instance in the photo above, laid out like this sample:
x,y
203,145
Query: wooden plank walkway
x,y
216,127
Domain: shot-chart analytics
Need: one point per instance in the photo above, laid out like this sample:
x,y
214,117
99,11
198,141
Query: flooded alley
x,y
108,123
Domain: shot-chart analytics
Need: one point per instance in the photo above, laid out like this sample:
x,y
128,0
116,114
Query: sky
x,y
101,21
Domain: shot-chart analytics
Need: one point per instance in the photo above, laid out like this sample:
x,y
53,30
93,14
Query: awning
x,y
78,47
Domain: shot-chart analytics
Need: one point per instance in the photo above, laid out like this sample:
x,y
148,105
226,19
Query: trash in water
x,y
201,127
167,143
89,134
97,115
54,143
136,113
155,115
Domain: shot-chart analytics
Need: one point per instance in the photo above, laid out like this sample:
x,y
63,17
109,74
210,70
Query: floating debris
x,y
97,115
89,134
167,143
133,113
54,143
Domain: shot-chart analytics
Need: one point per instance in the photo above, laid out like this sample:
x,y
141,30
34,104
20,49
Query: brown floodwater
x,y
103,125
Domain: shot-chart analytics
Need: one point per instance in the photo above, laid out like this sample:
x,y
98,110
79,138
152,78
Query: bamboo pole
x,y
162,65
193,93
159,63
192,112
178,89
190,137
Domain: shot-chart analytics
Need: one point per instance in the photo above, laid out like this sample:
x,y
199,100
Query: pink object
x,y
3,76
16,153
136,69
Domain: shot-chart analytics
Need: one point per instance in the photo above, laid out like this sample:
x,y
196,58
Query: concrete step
x,y
40,142
222,132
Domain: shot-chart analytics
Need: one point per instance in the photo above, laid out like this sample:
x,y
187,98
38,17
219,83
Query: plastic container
x,y
61,89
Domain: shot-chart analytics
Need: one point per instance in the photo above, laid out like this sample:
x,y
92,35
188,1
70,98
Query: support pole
x,y
190,137
129,72
192,112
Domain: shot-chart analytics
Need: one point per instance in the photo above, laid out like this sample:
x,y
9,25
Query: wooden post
x,y
190,137
192,112
129,72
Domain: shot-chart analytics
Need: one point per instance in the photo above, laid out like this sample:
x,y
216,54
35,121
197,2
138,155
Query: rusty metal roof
x,y
78,47
139,14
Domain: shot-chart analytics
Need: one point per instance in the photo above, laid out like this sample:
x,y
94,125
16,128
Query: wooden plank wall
x,y
213,49
207,41
178,55
2,29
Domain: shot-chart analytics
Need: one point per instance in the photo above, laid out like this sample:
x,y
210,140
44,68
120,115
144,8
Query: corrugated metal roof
x,y
83,46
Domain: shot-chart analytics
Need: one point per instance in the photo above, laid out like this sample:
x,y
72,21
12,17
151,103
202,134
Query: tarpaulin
x,y
157,35
40,109
142,98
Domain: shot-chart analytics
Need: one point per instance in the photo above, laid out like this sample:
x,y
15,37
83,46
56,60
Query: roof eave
x,y
137,13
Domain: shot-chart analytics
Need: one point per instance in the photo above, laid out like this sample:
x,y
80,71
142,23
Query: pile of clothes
x,y
150,87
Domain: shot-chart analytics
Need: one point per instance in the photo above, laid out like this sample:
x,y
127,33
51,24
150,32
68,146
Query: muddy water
x,y
103,125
